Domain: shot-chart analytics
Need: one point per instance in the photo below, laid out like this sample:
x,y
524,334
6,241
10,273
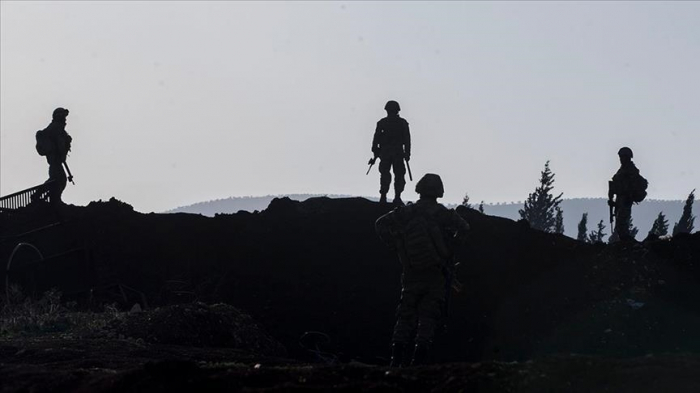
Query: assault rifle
x,y
371,164
611,205
410,175
70,175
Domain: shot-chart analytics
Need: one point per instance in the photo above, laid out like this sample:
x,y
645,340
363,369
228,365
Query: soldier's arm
x,y
69,141
455,225
375,140
461,226
407,142
611,190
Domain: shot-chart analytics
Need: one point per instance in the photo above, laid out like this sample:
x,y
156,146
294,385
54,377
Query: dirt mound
x,y
317,266
199,325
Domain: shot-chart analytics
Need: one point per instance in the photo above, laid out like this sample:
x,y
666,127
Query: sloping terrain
x,y
316,267
643,214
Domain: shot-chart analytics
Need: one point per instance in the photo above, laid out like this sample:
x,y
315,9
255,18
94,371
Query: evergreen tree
x,y
633,230
481,207
465,202
598,235
660,226
583,228
540,207
686,223
559,222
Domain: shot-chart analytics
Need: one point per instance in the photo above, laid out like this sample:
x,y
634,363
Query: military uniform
x,y
621,186
424,287
392,144
60,143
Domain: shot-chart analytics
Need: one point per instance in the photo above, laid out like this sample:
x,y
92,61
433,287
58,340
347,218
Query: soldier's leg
x,y
405,327
623,215
384,176
58,176
400,175
429,313
406,315
430,309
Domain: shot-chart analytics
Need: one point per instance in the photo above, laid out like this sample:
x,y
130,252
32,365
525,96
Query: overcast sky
x,y
178,102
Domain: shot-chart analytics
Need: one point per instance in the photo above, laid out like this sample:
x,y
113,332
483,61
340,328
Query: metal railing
x,y
23,198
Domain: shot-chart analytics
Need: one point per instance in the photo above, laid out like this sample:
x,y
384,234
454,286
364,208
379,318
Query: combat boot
x,y
420,354
397,199
382,198
398,353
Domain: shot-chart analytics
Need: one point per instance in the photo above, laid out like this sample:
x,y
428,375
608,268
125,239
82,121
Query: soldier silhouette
x,y
392,145
424,235
54,143
626,188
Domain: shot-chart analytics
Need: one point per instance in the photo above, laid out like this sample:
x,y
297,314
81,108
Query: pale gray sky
x,y
178,102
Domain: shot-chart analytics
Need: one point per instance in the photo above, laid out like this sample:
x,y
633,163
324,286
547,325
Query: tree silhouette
x,y
583,228
598,235
540,207
633,230
685,224
559,222
660,226
465,202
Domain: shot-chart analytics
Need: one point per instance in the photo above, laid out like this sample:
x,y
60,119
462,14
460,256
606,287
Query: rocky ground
x,y
301,296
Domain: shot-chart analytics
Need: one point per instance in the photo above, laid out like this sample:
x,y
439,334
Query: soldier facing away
x,y
626,188
54,143
392,145
423,234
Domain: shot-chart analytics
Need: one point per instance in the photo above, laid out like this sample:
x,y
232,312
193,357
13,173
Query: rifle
x,y
70,175
410,175
612,216
611,193
371,164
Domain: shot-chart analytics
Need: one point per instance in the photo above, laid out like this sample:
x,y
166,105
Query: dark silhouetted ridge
x,y
318,266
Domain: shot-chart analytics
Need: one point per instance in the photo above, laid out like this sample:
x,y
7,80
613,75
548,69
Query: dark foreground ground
x,y
302,295
62,365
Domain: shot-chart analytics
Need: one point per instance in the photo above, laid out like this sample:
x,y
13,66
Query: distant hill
x,y
247,203
643,215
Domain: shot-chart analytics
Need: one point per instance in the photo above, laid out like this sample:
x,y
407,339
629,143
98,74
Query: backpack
x,y
638,188
43,143
423,243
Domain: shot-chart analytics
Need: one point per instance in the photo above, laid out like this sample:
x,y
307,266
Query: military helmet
x,y
392,106
430,185
60,113
625,152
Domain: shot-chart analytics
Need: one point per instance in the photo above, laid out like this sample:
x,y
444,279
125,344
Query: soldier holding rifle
x,y
392,145
54,143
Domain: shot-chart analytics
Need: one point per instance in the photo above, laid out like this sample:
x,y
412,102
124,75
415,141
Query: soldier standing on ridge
x,y
423,235
629,187
392,145
54,143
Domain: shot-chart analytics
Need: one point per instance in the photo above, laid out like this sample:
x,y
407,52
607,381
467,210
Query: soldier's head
x,y
392,107
60,114
430,186
625,154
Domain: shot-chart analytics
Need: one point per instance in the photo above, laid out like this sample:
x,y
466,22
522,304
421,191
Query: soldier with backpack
x,y
423,235
54,143
392,145
626,188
